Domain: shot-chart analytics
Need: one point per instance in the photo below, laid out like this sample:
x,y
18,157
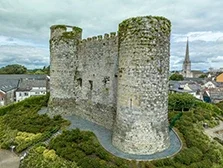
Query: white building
x,y
33,87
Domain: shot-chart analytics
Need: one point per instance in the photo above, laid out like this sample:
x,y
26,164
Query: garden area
x,y
22,126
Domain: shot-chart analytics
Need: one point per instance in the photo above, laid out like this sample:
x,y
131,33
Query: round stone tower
x,y
63,54
141,124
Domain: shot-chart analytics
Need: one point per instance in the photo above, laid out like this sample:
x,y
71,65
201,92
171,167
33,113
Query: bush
x,y
188,156
23,117
176,77
181,102
39,156
83,148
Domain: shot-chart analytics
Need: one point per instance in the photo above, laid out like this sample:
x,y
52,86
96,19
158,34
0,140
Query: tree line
x,y
20,69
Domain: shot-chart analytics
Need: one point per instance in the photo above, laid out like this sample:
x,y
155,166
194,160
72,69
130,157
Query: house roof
x,y
180,90
217,84
10,82
177,86
198,80
28,84
194,87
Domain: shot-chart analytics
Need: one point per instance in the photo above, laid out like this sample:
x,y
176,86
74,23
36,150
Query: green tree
x,y
176,77
181,101
13,69
203,76
44,70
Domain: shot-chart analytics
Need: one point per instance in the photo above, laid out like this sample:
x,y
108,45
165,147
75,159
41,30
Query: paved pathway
x,y
216,131
104,135
8,159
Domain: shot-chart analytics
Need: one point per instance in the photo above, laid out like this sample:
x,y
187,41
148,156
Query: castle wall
x,y
119,82
141,124
63,62
96,89
84,77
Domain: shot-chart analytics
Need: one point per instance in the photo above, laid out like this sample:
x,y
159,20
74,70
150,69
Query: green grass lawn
x,y
21,124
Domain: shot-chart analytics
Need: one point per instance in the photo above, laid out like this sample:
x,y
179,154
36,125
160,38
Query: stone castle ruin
x,y
117,81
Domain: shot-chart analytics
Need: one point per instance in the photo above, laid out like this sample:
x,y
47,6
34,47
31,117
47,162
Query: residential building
x,y
10,84
219,77
30,87
186,87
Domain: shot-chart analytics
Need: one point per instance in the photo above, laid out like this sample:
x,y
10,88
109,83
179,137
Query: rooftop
x,y
10,82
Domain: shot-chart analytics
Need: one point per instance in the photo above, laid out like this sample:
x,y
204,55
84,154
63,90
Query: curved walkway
x,y
216,131
104,135
8,159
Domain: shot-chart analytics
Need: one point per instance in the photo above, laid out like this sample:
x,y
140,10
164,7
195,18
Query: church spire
x,y
187,64
187,58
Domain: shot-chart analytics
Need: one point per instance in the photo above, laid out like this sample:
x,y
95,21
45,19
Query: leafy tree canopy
x,y
203,76
176,77
13,69
20,69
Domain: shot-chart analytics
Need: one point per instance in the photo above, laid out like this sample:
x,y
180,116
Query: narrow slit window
x,y
69,29
91,84
130,103
79,81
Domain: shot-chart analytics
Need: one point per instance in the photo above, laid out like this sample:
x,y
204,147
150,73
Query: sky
x,y
25,27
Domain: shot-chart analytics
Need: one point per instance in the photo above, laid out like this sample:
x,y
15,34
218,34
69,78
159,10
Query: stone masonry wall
x,y
119,82
141,124
83,76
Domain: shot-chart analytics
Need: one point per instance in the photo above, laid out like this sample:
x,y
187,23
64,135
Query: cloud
x,y
4,40
220,39
198,36
203,54
36,16
25,25
24,55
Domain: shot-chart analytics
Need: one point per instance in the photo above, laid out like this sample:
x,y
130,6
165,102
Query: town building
x,y
186,70
219,77
12,84
30,87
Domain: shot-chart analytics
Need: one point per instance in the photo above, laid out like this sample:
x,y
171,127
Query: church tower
x,y
187,63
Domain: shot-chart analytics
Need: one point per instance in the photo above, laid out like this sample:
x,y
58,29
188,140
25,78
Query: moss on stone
x,y
157,23
58,27
77,29
68,35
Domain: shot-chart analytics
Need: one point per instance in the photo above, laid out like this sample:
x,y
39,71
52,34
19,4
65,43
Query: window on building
x,y
91,84
79,81
26,94
130,103
20,94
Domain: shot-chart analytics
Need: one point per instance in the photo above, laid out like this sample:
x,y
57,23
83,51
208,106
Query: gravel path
x,y
8,159
216,131
104,135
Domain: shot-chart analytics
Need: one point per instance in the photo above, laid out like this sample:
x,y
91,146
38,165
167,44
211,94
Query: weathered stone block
x,y
119,82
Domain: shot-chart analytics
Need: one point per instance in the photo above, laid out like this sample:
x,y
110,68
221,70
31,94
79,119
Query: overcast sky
x,y
24,26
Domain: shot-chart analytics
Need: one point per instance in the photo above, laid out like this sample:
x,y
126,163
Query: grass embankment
x,y
22,126
81,148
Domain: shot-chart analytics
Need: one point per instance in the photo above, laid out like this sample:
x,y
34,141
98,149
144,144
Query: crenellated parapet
x,y
117,80
65,32
99,38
